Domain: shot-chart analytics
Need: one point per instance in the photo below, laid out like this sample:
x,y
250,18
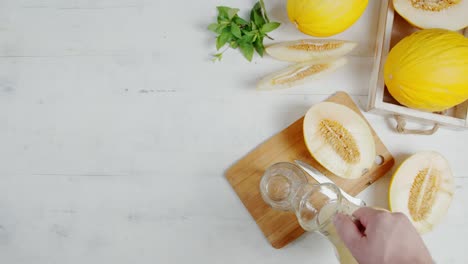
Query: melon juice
x,y
329,231
317,208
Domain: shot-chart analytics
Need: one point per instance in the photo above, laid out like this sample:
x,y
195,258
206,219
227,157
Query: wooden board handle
x,y
401,127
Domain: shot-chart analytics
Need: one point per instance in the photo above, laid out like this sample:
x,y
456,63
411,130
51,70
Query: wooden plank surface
x,y
280,228
116,130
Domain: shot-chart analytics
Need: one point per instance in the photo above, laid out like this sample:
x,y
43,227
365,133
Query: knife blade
x,y
320,178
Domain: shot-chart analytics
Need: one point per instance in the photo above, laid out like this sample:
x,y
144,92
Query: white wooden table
x,y
116,130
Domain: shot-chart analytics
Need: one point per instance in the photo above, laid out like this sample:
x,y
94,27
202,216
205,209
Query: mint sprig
x,y
237,32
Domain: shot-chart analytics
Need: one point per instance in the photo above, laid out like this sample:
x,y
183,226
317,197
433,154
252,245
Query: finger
x,y
348,231
364,214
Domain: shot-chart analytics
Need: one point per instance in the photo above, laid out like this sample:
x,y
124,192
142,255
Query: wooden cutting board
x,y
280,228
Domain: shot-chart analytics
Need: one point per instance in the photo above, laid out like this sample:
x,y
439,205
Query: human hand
x,y
381,237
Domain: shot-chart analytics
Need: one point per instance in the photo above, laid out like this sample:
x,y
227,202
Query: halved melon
x,y
339,139
447,14
299,73
422,188
310,49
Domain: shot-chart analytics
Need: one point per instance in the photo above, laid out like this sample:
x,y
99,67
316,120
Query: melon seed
x,y
302,73
340,140
423,193
434,5
303,45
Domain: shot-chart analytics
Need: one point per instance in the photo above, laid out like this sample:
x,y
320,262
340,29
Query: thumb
x,y
348,232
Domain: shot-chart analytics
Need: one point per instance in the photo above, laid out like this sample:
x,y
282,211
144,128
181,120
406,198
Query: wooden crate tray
x,y
280,228
391,29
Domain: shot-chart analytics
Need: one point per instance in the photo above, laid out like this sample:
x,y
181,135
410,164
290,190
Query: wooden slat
x,y
280,228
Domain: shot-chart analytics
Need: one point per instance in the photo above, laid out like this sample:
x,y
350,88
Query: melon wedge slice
x,y
422,188
452,15
310,49
339,139
299,73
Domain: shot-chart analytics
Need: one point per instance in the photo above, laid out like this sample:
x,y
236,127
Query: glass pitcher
x,y
284,186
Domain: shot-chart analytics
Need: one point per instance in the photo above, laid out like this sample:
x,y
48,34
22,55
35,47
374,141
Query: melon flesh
x,y
339,139
299,74
422,188
446,14
310,49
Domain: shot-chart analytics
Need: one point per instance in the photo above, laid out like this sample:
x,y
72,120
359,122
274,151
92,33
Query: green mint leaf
x,y
250,32
257,7
248,38
223,20
240,21
213,27
223,38
255,37
235,30
254,10
234,44
268,27
247,50
217,57
220,42
258,19
262,4
258,44
232,12
252,24
220,28
223,12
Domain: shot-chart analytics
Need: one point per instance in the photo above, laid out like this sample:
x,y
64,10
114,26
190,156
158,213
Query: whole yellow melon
x,y
428,70
323,18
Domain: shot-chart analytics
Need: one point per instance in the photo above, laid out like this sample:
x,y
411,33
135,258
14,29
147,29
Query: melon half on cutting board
x,y
339,139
